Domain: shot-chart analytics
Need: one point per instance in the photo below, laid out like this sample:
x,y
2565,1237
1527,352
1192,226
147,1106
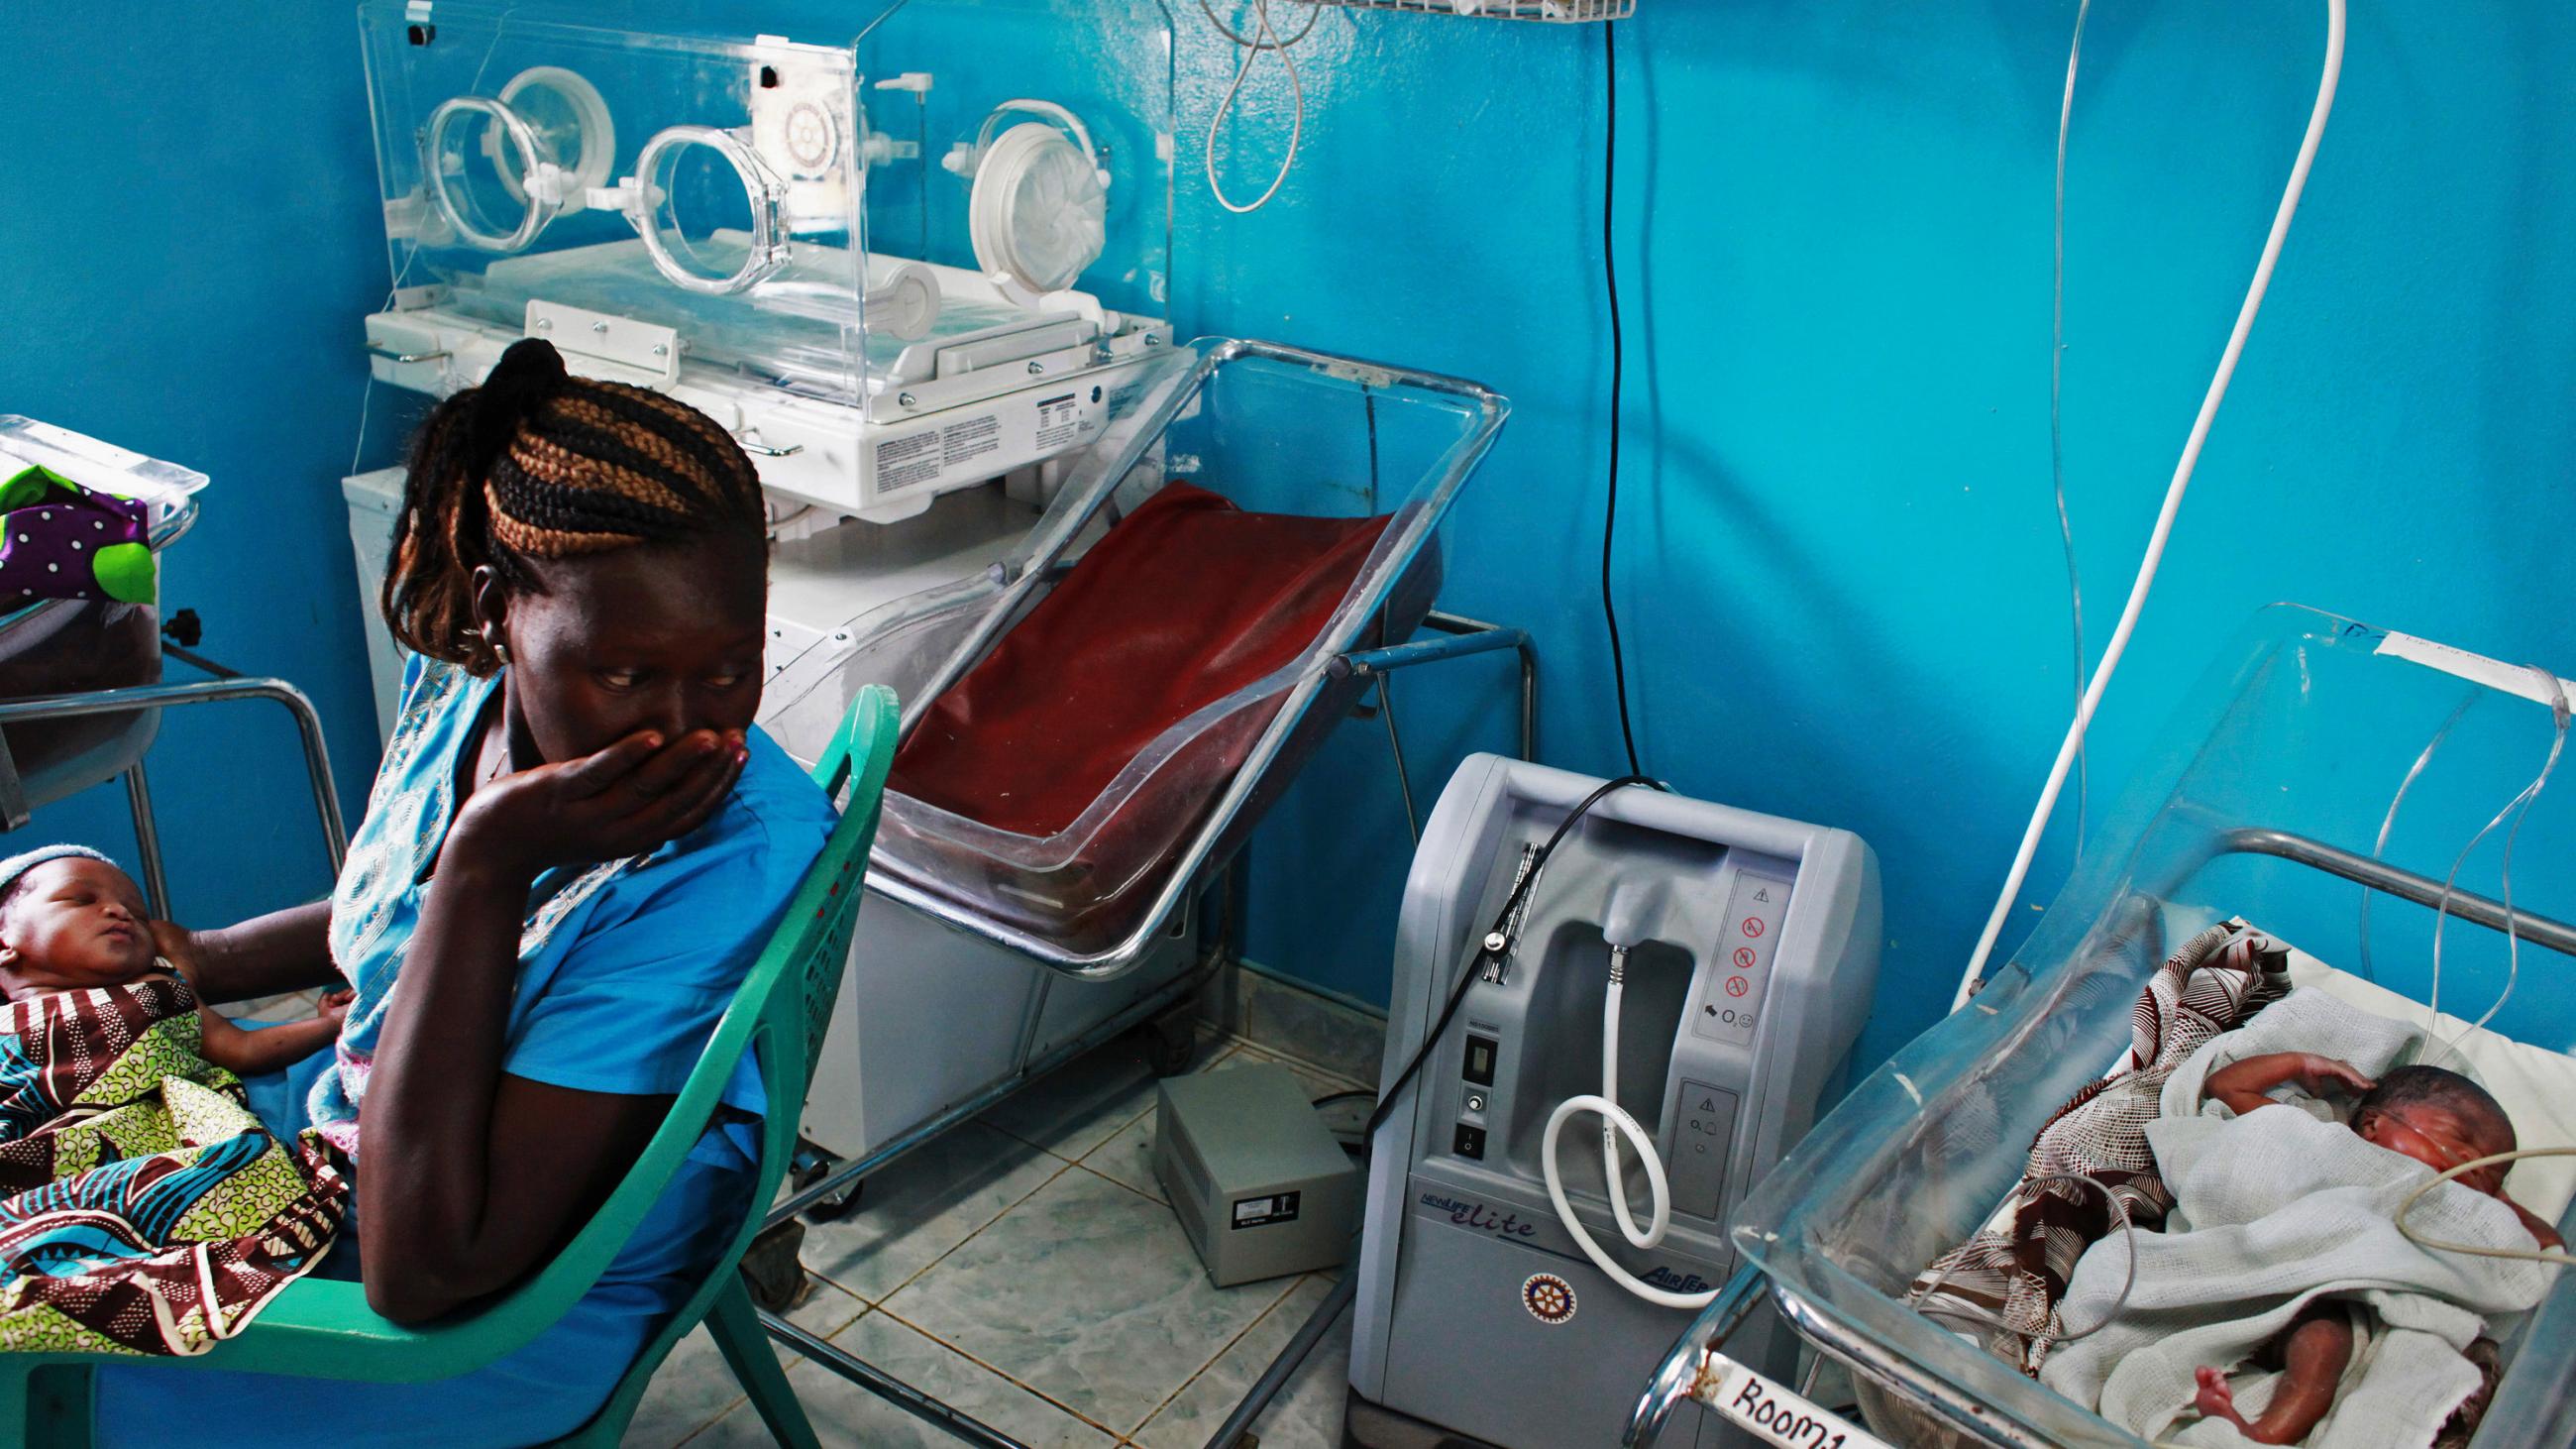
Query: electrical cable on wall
x,y
2183,468
1262,38
1618,376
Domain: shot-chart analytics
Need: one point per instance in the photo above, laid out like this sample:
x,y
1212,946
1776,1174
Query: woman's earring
x,y
499,650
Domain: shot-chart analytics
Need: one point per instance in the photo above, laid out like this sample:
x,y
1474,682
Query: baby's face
x,y
74,923
2438,1138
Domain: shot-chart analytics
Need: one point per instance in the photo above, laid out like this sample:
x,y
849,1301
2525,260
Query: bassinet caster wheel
x,y
771,1270
812,1167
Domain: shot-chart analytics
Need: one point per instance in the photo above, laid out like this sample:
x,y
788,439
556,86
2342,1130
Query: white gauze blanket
x,y
2273,1210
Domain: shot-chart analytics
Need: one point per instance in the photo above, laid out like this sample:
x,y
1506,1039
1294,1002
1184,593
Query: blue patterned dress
x,y
624,969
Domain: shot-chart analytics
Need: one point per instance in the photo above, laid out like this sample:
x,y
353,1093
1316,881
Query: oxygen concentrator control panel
x,y
1732,1004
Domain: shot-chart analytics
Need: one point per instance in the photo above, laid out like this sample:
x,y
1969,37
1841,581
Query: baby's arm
x,y
2538,1226
254,1053
2313,1358
2243,1085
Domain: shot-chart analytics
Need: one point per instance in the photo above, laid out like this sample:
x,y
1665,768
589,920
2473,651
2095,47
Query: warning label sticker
x,y
903,462
970,439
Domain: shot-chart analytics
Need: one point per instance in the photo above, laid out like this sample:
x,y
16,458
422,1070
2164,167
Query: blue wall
x,y
1839,565
191,238
1840,571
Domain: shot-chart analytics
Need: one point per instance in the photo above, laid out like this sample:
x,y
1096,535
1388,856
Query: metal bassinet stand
x,y
2312,721
222,684
1441,425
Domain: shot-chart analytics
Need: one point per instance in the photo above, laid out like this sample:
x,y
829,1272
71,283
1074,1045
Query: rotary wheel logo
x,y
1549,1299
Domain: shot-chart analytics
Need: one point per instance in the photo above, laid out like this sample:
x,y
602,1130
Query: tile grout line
x,y
1007,1209
1200,1372
1113,1182
741,1399
1000,1373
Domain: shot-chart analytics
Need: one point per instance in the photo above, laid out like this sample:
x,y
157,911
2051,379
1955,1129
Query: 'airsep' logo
x,y
1666,1278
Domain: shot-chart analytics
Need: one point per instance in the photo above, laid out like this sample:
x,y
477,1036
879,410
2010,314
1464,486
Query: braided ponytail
x,y
538,464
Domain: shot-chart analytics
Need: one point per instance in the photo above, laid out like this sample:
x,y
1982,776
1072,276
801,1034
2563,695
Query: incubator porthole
x,y
708,210
568,114
482,202
1039,213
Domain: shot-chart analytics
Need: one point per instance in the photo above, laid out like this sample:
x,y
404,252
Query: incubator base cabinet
x,y
1752,948
931,1017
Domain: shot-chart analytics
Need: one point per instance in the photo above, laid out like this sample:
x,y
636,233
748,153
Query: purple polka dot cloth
x,y
59,540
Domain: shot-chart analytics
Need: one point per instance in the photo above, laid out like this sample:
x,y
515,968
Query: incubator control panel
x,y
1732,1004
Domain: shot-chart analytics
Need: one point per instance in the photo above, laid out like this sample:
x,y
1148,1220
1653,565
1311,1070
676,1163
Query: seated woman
x,y
576,847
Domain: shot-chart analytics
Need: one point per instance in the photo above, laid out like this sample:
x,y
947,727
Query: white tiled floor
x,y
1026,1270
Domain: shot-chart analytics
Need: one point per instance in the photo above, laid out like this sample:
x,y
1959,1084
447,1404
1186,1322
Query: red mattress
x,y
1185,601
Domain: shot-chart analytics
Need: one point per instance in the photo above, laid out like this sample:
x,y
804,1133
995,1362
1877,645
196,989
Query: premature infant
x,y
70,920
2440,1119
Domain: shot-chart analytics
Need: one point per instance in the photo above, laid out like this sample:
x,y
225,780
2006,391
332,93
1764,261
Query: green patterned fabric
x,y
143,1207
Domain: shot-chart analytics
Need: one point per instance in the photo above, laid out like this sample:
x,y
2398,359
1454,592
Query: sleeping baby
x,y
71,921
2283,1302
2438,1118
150,1211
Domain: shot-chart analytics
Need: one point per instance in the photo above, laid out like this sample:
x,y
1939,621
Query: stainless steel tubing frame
x,y
308,726
1282,1368
1675,1378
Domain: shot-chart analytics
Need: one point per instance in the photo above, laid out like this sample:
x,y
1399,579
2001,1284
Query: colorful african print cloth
x,y
143,1208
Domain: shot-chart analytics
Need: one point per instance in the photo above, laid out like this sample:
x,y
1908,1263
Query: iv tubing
x,y
2190,460
1615,1123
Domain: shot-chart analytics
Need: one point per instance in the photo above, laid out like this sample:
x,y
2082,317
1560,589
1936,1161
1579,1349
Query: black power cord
x,y
1497,943
1618,377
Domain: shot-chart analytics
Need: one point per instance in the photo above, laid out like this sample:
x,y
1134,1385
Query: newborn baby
x,y
70,921
2438,1118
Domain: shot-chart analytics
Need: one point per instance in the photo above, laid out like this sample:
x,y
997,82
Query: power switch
x,y
1470,1142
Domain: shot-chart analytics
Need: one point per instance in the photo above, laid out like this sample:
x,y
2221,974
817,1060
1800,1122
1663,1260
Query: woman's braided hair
x,y
538,464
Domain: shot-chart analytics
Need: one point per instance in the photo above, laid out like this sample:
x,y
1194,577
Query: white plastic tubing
x,y
2209,402
1615,1124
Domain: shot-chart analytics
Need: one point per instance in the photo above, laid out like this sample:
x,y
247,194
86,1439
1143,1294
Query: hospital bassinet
x,y
69,646
2265,800
1269,429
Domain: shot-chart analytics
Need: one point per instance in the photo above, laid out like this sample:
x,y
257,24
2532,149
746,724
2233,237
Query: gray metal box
x,y
1261,1186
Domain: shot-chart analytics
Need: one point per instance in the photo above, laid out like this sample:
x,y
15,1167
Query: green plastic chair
x,y
323,1329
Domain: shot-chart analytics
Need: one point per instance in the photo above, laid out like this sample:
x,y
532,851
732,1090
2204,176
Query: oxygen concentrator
x,y
1676,989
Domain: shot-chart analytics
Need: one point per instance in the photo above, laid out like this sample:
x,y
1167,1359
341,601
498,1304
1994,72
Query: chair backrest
x,y
778,1014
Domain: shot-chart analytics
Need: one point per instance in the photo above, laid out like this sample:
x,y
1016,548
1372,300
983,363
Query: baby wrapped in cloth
x,y
143,1207
2274,1211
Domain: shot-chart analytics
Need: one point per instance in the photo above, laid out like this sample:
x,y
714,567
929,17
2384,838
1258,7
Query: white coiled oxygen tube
x,y
1623,924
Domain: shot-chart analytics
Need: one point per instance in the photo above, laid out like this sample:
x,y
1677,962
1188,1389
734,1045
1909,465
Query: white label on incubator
x,y
1774,1413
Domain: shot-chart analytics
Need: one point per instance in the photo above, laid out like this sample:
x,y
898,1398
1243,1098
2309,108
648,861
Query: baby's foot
x,y
2215,1400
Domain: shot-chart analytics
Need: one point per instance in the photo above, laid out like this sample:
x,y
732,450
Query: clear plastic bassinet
x,y
2265,800
1270,429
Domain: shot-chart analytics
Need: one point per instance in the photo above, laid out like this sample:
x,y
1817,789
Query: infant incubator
x,y
920,277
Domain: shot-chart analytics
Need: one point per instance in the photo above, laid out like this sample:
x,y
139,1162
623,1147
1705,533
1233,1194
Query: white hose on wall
x,y
2066,750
